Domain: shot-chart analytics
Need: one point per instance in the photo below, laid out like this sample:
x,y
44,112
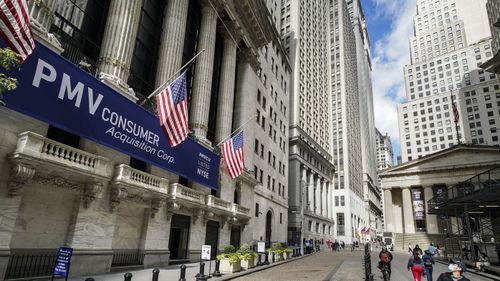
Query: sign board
x,y
418,203
63,261
205,252
56,91
261,247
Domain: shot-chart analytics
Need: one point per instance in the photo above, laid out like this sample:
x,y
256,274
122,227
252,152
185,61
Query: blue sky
x,y
390,25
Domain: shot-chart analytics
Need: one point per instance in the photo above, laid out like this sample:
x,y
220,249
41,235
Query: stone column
x,y
303,186
311,191
244,104
388,210
202,84
324,206
196,235
172,40
41,18
409,222
430,220
317,198
329,196
117,45
155,235
226,87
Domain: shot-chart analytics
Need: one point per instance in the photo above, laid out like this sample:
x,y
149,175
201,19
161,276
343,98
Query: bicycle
x,y
385,272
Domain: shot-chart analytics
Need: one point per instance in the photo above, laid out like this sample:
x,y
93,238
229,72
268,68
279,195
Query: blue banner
x,y
56,91
63,261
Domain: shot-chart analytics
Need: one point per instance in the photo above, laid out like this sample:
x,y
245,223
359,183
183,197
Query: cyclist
x,y
385,258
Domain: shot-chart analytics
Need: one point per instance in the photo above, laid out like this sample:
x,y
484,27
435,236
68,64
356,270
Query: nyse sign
x,y
55,91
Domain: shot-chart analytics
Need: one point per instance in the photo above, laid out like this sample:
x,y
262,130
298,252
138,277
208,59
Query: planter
x,y
245,265
226,267
288,256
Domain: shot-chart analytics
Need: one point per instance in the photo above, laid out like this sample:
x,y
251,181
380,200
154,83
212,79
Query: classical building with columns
x,y
306,40
409,187
62,189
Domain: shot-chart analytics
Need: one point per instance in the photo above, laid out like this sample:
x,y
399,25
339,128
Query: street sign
x,y
63,261
205,252
261,247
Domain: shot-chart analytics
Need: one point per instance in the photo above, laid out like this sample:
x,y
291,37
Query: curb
x,y
260,268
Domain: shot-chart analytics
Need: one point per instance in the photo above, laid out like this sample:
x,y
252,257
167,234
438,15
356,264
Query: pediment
x,y
459,156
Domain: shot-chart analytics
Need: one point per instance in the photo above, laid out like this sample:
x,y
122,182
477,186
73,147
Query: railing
x,y
182,192
78,58
28,263
127,258
239,210
486,180
39,147
129,175
213,201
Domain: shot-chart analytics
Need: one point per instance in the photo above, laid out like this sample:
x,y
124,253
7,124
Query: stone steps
x,y
421,239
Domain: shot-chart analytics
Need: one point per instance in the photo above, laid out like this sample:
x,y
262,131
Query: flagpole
x,y
242,125
453,105
172,77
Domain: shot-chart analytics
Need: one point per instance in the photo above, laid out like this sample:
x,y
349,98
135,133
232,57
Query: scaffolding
x,y
469,217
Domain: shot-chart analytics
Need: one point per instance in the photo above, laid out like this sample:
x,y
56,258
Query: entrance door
x,y
179,237
235,236
212,237
269,217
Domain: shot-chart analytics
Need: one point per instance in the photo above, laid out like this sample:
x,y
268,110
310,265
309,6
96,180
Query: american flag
x,y
172,110
15,27
456,115
232,150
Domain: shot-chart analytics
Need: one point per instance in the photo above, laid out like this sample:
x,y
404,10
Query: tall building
x,y
384,151
120,201
305,37
493,8
371,189
350,209
452,39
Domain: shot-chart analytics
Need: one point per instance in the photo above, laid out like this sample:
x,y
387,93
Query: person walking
x,y
410,249
418,250
428,264
416,265
454,274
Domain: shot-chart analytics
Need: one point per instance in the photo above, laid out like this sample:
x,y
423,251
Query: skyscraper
x,y
350,210
452,39
371,190
305,37
384,151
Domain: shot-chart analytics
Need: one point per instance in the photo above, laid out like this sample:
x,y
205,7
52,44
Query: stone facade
x,y
89,197
442,169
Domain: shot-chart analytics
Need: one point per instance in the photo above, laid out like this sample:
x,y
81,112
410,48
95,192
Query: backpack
x,y
384,257
427,261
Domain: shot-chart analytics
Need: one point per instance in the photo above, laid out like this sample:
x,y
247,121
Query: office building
x,y
452,39
305,38
384,151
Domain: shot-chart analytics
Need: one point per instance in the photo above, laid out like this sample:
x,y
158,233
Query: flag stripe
x,y
234,157
15,27
172,110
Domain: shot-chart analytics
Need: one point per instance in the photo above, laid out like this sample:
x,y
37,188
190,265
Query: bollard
x,y
183,273
259,262
90,279
266,261
273,258
156,273
201,276
217,272
127,276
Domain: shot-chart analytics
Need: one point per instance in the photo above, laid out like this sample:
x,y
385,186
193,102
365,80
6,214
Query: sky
x,y
390,26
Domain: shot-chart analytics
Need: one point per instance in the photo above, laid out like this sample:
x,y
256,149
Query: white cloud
x,y
391,54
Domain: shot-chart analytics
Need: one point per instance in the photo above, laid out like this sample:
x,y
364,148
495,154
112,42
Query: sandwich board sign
x,y
261,247
63,261
205,252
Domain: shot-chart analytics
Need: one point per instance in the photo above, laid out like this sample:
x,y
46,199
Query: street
x,y
341,266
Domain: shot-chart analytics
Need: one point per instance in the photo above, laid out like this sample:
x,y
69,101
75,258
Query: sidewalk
x,y
172,272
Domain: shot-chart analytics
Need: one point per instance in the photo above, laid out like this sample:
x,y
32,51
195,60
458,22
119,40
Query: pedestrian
x,y
428,264
432,249
410,249
418,251
454,274
416,265
343,244
353,247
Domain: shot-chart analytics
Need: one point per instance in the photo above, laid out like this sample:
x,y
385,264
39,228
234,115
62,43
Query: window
x,y
281,218
342,200
256,210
